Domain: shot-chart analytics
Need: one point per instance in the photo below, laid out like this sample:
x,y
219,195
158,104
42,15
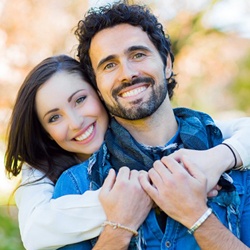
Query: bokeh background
x,y
210,40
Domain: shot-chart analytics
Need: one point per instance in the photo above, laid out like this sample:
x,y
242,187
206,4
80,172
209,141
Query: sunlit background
x,y
210,40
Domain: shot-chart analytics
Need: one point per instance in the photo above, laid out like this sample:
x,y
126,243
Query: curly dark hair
x,y
97,19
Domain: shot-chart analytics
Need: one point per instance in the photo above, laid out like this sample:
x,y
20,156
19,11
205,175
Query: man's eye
x,y
139,55
80,100
109,66
53,118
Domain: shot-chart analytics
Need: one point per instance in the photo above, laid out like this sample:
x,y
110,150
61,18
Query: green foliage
x,y
9,233
186,27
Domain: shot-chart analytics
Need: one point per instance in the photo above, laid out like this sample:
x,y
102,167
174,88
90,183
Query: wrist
x,y
116,225
111,239
226,158
190,218
233,157
200,221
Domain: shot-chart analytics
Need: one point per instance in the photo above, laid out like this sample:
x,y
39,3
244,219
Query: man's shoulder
x,y
191,113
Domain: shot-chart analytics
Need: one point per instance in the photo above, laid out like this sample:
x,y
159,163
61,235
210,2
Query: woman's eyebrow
x,y
70,98
50,111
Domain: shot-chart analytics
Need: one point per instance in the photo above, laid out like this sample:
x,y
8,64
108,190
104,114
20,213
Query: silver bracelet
x,y
198,223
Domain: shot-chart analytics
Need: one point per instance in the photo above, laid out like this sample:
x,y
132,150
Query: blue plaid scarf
x,y
196,131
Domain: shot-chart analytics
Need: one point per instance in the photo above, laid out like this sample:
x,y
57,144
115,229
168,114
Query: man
x,y
129,59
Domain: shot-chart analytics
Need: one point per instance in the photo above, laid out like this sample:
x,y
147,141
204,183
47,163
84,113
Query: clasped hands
x,y
175,183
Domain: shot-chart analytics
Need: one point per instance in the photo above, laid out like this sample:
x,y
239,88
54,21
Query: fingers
x,y
134,174
178,154
173,165
184,165
193,169
123,174
146,185
214,192
109,182
160,175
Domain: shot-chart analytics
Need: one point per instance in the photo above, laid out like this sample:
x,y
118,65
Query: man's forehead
x,y
116,39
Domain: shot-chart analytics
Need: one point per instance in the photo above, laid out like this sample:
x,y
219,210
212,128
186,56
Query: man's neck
x,y
155,130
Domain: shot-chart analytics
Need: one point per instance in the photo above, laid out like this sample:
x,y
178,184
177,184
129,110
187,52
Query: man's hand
x,y
178,189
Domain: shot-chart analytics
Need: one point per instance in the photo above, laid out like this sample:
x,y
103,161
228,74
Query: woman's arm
x,y
215,161
236,133
62,221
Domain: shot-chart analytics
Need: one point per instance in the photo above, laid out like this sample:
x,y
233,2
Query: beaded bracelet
x,y
198,223
118,225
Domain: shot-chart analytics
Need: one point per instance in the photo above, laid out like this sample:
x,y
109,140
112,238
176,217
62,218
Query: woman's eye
x,y
80,100
109,66
53,118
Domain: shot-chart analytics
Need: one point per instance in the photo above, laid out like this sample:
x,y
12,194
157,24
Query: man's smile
x,y
134,92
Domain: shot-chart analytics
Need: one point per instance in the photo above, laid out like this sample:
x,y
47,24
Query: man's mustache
x,y
131,83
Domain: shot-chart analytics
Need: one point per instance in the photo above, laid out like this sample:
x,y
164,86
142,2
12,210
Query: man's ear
x,y
168,69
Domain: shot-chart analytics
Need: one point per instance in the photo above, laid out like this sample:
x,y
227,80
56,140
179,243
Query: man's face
x,y
129,71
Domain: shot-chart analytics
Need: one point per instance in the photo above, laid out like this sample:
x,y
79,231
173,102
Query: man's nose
x,y
127,72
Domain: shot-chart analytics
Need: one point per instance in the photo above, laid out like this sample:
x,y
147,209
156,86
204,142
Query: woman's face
x,y
70,111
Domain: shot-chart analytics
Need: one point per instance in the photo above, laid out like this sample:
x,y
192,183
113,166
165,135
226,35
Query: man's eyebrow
x,y
106,59
130,49
138,47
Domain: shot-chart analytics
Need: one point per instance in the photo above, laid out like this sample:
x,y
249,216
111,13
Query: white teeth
x,y
87,133
134,92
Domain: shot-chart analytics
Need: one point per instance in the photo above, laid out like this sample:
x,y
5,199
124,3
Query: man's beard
x,y
140,109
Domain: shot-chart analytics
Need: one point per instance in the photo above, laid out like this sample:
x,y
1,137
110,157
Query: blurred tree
x,y
240,85
207,62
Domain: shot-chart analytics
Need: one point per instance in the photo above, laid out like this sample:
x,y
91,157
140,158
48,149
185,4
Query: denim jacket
x,y
232,209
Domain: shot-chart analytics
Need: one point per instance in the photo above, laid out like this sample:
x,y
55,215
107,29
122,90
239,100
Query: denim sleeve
x,y
72,181
245,219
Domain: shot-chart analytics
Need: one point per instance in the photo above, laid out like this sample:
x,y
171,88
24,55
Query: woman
x,y
57,122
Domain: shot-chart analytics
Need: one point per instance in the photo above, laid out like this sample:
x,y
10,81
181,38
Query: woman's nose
x,y
75,121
